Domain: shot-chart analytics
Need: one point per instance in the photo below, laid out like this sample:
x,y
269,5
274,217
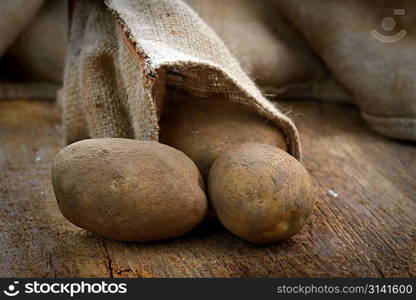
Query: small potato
x,y
128,190
204,129
260,193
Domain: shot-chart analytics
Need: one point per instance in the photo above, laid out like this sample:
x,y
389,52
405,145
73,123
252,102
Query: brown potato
x,y
128,190
260,193
204,129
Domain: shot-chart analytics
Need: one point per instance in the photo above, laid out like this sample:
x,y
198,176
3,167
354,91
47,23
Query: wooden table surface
x,y
369,229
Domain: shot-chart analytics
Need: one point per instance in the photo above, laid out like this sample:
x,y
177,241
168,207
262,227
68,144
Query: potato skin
x,y
260,193
204,129
128,190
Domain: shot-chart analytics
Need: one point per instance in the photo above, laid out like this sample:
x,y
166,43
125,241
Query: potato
x,y
260,193
204,129
128,190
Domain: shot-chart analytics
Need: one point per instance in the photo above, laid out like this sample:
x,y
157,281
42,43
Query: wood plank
x,y
368,230
35,239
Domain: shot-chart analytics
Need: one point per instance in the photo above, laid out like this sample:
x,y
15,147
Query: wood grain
x,y
368,230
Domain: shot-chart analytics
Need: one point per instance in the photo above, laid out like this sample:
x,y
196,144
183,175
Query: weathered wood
x,y
368,230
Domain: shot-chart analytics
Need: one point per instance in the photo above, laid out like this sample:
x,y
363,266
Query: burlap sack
x,y
14,17
125,59
325,50
380,76
292,49
33,43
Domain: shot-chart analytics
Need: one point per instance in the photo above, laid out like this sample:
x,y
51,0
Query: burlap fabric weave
x,y
126,57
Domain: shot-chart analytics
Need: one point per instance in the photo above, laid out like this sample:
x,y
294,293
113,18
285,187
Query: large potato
x,y
204,129
127,189
260,193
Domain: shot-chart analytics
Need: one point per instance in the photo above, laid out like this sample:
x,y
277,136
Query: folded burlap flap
x,y
119,64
